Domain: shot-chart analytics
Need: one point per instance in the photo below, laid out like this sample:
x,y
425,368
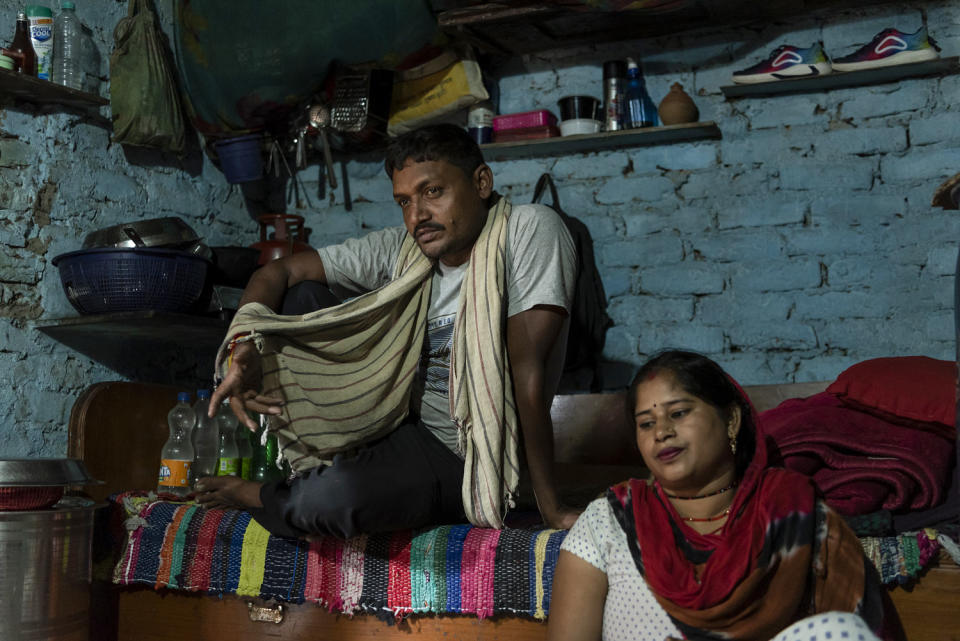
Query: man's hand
x,y
242,386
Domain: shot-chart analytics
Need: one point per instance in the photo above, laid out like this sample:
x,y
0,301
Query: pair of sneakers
x,y
889,47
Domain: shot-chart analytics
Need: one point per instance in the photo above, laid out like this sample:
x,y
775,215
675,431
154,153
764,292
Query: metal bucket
x,y
45,572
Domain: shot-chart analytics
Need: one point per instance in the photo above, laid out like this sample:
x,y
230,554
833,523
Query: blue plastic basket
x,y
105,280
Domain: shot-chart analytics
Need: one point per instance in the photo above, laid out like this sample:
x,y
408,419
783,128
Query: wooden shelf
x,y
583,143
44,92
528,26
119,340
841,79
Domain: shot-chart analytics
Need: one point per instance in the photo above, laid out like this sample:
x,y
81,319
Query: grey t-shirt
x,y
541,270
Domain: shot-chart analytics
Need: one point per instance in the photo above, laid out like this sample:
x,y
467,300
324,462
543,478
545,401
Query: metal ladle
x,y
318,117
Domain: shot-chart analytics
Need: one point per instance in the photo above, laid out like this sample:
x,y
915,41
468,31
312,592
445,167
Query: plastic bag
x,y
144,97
434,90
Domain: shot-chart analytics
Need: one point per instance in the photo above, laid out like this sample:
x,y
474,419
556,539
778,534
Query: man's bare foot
x,y
228,491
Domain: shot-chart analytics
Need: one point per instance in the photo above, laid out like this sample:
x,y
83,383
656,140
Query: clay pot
x,y
677,107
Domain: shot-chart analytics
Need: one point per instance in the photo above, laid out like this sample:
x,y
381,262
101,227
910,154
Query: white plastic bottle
x,y
229,463
206,438
90,62
67,48
176,457
41,37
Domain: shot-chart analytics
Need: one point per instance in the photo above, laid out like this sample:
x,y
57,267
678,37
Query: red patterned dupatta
x,y
781,555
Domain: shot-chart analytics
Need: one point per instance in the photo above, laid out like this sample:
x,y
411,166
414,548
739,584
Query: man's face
x,y
443,208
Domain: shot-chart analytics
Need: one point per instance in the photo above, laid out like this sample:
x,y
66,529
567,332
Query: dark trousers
x,y
406,479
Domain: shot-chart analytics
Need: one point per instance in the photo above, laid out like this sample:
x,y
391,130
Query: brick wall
x,y
800,243
60,177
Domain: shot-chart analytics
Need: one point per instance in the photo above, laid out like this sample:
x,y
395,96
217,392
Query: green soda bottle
x,y
264,461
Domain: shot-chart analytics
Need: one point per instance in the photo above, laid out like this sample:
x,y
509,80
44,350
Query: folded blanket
x,y
860,462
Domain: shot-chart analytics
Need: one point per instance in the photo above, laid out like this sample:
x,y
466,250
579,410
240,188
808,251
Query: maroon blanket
x,y
860,462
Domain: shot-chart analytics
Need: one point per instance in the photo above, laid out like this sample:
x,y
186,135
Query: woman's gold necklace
x,y
702,496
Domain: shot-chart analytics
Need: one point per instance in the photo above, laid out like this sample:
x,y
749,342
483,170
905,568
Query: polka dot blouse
x,y
632,613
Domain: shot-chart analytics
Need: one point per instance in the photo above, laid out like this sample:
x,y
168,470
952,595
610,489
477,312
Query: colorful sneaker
x,y
785,62
890,47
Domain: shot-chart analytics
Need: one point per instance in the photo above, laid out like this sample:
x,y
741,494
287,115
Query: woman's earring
x,y
733,446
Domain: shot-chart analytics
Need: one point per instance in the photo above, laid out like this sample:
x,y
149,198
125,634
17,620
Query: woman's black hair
x,y
445,142
703,378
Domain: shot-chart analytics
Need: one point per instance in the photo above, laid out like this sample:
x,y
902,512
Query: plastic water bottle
x,y
176,457
206,438
638,107
90,62
67,48
228,455
244,450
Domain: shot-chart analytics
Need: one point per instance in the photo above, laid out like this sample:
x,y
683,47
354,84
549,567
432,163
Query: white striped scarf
x,y
346,372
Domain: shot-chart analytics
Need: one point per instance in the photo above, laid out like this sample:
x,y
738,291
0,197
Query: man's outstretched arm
x,y
242,382
536,339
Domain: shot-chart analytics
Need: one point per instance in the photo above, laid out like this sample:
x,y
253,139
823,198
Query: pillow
x,y
917,388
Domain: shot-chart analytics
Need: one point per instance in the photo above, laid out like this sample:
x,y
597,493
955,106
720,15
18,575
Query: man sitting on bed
x,y
497,346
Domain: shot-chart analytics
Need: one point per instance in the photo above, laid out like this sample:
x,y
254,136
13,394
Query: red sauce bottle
x,y
24,58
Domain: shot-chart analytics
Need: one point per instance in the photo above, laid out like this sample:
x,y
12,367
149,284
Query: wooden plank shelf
x,y
118,340
44,92
842,79
528,26
585,143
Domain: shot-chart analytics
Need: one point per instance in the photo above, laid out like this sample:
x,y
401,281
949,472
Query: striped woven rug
x,y
446,569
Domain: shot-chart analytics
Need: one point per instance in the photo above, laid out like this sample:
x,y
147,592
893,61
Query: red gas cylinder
x,y
288,237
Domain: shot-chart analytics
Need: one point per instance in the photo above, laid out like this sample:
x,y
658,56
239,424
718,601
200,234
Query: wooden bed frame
x,y
118,429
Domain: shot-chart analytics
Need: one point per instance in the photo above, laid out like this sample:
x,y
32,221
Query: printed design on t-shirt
x,y
435,360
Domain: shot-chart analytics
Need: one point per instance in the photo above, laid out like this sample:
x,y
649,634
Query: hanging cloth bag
x,y
143,91
588,318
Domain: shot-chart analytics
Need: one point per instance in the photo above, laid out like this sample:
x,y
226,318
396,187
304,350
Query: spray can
x,y
41,36
614,74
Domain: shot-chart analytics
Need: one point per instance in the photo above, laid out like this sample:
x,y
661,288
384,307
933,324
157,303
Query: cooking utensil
x,y
30,484
45,568
169,231
38,472
318,116
118,279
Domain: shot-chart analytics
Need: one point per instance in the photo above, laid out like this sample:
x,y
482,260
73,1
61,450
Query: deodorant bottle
x,y
614,78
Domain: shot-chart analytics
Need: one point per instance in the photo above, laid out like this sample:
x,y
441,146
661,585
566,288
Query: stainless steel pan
x,y
154,232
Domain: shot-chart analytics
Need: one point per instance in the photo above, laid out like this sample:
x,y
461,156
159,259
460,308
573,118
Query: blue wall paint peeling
x,y
800,243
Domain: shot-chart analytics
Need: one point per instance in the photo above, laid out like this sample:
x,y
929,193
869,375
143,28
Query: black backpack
x,y
588,318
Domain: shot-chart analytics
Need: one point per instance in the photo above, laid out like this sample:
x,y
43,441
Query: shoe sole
x,y
796,71
901,58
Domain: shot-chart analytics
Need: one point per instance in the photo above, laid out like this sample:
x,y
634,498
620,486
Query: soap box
x,y
527,119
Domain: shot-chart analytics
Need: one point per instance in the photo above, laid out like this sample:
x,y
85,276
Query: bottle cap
x,y
203,394
39,11
614,69
631,64
183,397
68,5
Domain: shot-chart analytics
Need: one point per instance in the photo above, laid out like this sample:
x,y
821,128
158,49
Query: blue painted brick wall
x,y
801,242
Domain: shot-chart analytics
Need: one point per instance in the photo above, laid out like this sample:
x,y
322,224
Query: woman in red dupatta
x,y
729,547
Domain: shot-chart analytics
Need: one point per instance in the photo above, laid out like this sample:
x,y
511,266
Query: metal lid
x,y
37,472
169,231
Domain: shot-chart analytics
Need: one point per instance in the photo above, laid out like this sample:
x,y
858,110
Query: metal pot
x,y
154,232
45,572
